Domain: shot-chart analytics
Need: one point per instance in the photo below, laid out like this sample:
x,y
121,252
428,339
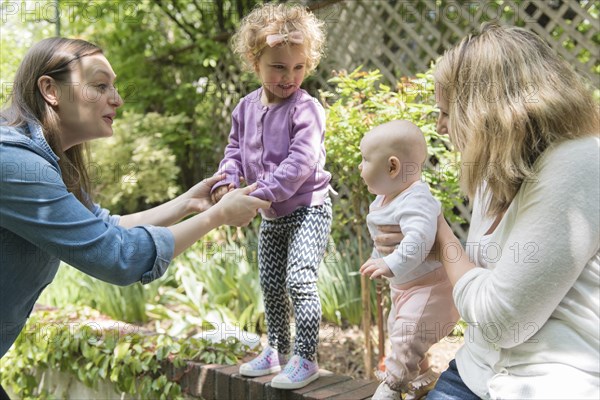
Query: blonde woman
x,y
527,284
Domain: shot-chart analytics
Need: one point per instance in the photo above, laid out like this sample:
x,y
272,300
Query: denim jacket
x,y
41,223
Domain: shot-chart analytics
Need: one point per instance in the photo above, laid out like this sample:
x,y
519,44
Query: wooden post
x,y
366,322
366,316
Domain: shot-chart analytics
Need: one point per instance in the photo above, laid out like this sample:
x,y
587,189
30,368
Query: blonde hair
x,y
510,97
54,57
251,38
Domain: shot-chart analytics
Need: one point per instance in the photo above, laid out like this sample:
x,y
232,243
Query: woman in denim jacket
x,y
63,97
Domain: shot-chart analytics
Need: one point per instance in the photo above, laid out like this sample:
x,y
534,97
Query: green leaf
x,y
121,350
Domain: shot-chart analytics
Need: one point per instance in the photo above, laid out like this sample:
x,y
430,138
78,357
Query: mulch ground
x,y
342,351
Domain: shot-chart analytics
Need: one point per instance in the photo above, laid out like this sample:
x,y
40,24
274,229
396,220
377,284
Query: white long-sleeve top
x,y
533,305
416,211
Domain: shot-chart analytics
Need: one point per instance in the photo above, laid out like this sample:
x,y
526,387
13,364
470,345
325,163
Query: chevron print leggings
x,y
290,250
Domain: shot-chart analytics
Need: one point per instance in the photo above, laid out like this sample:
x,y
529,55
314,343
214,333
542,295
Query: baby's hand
x,y
376,267
220,192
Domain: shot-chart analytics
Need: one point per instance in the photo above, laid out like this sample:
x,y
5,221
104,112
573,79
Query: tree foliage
x,y
136,168
164,53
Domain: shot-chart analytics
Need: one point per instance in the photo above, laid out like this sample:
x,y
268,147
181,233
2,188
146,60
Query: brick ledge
x,y
223,382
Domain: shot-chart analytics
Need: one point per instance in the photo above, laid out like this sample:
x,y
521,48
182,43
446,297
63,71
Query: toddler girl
x,y
277,140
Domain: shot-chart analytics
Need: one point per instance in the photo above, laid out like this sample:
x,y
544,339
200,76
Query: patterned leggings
x,y
290,250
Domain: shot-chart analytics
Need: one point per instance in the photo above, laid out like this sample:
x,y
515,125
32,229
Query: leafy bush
x,y
78,341
339,284
135,169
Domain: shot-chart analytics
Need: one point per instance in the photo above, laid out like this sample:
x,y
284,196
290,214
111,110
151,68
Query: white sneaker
x,y
268,362
421,385
298,373
384,392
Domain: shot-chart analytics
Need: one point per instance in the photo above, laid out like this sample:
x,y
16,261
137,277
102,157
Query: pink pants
x,y
422,313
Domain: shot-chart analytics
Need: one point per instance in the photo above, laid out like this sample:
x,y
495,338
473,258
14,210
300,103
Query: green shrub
x,y
361,103
135,169
73,341
339,284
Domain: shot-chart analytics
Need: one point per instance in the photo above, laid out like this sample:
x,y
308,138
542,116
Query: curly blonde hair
x,y
510,97
269,19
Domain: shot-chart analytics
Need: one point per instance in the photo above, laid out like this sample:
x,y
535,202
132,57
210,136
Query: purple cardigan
x,y
281,147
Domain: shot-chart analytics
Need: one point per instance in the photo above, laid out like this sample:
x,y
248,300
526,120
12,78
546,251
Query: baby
x,y
422,310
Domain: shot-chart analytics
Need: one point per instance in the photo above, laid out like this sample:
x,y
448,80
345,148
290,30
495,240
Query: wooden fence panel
x,y
401,38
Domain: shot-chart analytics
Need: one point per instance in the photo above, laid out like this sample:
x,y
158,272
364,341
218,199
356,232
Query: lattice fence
x,y
402,38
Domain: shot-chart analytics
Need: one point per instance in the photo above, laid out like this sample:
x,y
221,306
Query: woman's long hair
x,y
54,57
510,97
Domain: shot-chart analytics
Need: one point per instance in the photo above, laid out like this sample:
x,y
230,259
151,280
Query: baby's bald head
x,y
402,139
392,157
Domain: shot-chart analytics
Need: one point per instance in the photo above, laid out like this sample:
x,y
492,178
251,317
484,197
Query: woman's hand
x,y
198,197
235,208
389,238
238,209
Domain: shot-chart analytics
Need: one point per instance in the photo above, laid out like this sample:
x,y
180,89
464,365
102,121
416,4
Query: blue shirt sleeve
x,y
105,215
35,205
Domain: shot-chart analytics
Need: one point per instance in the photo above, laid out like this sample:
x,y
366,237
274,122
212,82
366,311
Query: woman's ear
x,y
49,89
394,166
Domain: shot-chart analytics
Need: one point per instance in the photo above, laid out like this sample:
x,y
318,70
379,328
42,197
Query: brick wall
x,y
223,382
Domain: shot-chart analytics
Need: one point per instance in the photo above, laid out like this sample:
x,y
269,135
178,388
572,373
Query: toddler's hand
x,y
219,193
375,268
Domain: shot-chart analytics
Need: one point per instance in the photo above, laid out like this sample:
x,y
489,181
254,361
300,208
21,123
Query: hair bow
x,y
295,37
